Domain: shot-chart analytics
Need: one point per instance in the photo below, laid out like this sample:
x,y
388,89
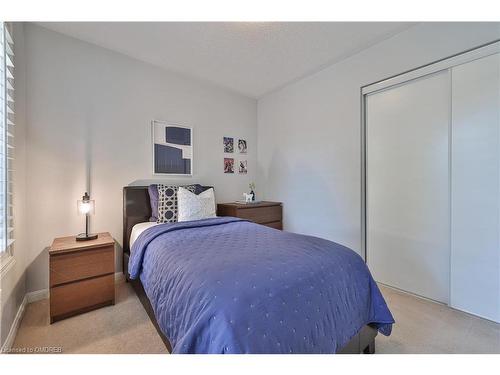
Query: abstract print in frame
x,y
172,149
228,165
243,167
228,144
242,146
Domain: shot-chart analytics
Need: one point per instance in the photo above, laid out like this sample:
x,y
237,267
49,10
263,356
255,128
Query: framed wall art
x,y
242,146
228,165
243,167
228,145
172,149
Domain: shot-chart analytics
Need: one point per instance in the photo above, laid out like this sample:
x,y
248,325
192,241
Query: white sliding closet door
x,y
407,186
475,187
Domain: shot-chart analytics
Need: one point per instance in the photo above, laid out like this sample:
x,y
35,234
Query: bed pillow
x,y
153,200
167,203
153,197
195,207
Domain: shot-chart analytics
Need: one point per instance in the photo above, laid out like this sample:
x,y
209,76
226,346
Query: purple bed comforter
x,y
226,285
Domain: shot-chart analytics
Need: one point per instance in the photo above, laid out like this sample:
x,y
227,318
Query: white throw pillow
x,y
195,207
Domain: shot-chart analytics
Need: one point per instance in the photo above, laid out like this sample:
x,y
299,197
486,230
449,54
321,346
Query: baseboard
x,y
439,303
9,341
37,295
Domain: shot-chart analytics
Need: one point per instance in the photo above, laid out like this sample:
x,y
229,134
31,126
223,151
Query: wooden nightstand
x,y
265,213
82,275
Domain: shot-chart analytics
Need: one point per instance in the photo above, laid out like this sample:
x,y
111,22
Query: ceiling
x,y
251,58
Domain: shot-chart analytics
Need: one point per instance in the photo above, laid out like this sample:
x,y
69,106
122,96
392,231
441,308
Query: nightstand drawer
x,y
74,298
79,265
261,214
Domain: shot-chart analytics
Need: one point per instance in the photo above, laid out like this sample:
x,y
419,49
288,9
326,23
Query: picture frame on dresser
x,y
172,149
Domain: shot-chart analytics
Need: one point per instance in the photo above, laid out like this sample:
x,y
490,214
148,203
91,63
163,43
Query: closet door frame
x,y
434,67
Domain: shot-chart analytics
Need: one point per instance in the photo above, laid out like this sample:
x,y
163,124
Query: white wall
x,y
90,108
309,132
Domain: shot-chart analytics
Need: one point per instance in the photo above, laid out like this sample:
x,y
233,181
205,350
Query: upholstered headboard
x,y
136,209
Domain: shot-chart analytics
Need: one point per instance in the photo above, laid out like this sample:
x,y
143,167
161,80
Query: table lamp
x,y
86,207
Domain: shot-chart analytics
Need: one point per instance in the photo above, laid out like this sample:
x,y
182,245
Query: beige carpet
x,y
422,327
428,327
122,328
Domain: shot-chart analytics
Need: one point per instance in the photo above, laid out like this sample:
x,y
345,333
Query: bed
x,y
226,285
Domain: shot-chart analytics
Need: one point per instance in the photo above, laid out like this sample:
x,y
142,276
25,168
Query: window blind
x,y
6,138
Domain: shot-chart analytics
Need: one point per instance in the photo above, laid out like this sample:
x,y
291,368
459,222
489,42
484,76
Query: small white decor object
x,y
248,197
195,207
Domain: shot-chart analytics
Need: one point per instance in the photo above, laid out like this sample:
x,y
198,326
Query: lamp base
x,y
86,237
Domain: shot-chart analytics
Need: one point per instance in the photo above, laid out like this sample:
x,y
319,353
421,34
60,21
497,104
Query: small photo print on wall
x,y
172,149
243,167
228,165
228,145
242,146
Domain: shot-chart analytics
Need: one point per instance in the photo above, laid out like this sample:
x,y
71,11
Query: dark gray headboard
x,y
136,209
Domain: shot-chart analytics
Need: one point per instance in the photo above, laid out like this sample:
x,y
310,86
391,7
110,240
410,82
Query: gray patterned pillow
x,y
167,202
195,207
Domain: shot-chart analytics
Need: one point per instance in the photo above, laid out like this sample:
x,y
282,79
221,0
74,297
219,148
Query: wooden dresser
x,y
82,275
265,213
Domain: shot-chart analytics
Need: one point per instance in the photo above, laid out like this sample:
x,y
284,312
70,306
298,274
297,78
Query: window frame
x,y
7,259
